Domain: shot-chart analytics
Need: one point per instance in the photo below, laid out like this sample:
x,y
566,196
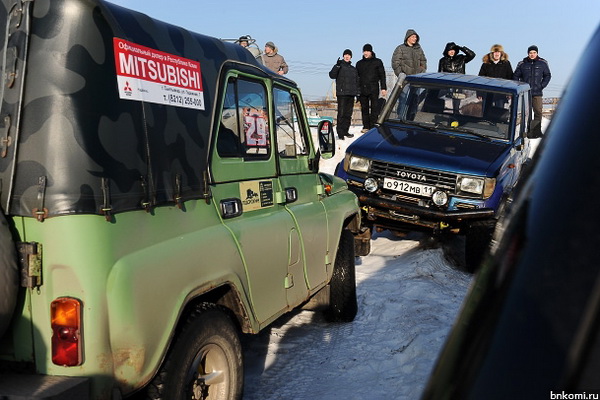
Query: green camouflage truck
x,y
160,197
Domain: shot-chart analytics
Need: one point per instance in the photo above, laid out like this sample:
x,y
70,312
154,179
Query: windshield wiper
x,y
419,124
466,130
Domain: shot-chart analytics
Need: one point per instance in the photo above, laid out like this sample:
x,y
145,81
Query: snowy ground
x,y
409,293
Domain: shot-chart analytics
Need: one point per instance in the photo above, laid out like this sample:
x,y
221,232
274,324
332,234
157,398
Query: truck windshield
x,y
454,109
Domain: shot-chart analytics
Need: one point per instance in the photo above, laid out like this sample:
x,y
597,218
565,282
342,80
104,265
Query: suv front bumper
x,y
393,211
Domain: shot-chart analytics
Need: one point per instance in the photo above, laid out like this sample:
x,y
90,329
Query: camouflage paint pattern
x,y
73,145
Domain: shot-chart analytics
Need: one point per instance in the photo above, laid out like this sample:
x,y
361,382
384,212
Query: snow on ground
x,y
409,293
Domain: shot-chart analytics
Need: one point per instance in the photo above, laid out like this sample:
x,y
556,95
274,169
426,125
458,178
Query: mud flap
x,y
362,242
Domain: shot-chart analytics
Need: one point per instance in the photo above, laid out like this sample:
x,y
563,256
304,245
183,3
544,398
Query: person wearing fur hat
x,y
371,75
274,61
534,70
496,64
346,89
454,62
409,58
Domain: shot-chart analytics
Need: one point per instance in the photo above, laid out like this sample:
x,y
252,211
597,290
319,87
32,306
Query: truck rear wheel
x,y
9,275
342,287
205,362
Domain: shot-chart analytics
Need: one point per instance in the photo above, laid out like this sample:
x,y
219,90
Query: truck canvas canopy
x,y
135,136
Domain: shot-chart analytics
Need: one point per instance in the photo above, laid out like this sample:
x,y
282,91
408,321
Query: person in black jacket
x,y
496,64
346,89
454,62
371,75
535,71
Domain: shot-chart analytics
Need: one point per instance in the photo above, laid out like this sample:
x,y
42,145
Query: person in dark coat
x,y
454,62
371,75
346,89
534,70
409,58
496,64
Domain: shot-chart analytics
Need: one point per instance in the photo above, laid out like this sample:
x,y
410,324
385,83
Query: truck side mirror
x,y
326,140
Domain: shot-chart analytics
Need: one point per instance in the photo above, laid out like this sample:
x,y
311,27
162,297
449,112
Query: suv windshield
x,y
480,112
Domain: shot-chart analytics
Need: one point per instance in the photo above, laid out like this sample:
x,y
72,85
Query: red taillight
x,y
65,315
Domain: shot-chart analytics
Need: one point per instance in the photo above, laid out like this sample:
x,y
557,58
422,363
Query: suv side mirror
x,y
326,140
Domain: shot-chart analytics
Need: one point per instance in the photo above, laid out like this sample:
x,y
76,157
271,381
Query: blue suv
x,y
444,157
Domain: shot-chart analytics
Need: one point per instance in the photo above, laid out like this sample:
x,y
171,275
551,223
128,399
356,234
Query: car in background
x,y
444,157
530,325
314,117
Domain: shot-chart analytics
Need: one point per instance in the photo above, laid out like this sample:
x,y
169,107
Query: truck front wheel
x,y
205,361
342,287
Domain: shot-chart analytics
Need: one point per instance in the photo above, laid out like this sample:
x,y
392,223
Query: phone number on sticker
x,y
183,100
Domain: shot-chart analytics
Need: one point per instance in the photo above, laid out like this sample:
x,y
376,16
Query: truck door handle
x,y
291,195
231,208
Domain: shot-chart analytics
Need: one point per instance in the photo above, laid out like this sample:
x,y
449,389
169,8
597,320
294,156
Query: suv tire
x,y
9,275
204,362
342,287
477,241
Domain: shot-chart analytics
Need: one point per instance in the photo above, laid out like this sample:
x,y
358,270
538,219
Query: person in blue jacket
x,y
534,70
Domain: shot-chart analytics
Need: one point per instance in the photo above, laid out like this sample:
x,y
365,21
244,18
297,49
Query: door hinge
x,y
30,260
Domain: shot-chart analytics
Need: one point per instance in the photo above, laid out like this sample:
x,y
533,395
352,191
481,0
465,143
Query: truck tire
x,y
205,361
9,275
477,241
342,287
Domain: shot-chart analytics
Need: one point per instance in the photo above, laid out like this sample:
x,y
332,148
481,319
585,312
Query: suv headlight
x,y
357,164
479,186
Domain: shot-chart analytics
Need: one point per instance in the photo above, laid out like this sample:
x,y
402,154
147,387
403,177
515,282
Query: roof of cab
x,y
469,81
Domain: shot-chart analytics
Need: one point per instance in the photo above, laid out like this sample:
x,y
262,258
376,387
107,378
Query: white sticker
x,y
145,74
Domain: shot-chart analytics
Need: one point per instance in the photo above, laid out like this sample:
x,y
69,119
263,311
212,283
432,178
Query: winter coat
x,y
371,75
275,62
346,78
501,69
536,72
409,59
457,62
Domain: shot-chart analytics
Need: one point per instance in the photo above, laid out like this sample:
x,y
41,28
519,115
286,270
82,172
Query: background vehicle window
x,y
244,125
291,140
519,118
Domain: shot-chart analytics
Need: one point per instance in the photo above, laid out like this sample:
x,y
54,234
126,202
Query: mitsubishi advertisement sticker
x,y
145,74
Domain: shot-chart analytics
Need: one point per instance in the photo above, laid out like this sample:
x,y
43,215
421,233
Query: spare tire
x,y
9,275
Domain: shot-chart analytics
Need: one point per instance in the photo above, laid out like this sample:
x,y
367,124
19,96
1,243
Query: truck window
x,y
244,124
291,140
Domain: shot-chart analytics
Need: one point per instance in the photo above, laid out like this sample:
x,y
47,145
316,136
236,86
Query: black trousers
x,y
369,107
344,114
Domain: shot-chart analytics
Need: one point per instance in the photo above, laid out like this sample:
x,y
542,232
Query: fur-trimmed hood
x,y
488,57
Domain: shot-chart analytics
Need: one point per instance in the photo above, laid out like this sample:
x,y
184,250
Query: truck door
x,y
248,195
301,183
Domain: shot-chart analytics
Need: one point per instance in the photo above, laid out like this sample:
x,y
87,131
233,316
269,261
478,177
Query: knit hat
x,y
532,47
271,45
368,47
347,51
497,47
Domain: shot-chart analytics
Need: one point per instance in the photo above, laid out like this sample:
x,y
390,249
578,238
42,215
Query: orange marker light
x,y
65,314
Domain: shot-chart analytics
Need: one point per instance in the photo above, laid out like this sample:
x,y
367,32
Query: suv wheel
x,y
342,287
477,241
205,362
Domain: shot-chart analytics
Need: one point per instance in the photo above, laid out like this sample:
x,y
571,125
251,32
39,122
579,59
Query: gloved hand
x,y
339,61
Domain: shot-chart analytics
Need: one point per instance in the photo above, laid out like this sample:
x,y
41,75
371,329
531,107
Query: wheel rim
x,y
209,374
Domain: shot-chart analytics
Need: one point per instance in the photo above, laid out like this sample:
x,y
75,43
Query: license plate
x,y
398,185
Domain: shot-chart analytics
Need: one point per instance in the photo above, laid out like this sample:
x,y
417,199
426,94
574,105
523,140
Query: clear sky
x,y
312,34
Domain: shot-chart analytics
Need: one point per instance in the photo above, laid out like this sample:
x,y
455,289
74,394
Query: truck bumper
x,y
21,387
418,216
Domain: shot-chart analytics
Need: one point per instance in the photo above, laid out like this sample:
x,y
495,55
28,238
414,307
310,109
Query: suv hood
x,y
422,148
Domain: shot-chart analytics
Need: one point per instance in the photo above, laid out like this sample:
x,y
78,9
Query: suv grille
x,y
439,179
